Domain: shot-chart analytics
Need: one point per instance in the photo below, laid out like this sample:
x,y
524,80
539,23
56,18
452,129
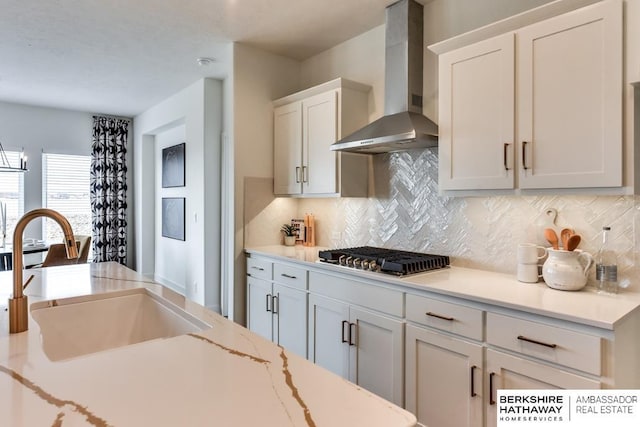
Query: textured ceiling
x,y
123,56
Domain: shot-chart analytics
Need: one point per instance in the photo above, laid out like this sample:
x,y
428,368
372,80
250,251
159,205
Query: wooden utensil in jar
x,y
573,242
565,234
551,237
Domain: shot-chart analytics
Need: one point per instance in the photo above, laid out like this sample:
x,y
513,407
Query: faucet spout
x,y
18,307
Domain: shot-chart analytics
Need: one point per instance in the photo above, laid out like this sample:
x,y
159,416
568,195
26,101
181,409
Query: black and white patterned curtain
x,y
109,189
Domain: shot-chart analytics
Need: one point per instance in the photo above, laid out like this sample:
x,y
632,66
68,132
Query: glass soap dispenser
x,y
606,265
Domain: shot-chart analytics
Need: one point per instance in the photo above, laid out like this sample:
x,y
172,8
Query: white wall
x,y
198,109
170,254
360,59
259,77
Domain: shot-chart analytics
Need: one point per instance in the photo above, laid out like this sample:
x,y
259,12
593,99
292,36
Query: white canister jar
x,y
566,270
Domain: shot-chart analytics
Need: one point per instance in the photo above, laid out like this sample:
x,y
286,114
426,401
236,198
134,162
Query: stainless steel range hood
x,y
403,126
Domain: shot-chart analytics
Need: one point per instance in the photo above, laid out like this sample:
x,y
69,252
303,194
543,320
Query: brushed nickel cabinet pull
x,y
524,155
523,338
504,156
275,305
439,316
305,174
298,174
352,333
473,387
344,322
257,268
491,399
268,302
288,276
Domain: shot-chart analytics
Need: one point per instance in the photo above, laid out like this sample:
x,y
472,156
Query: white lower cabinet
x,y
279,314
376,356
508,372
328,334
444,357
289,316
359,345
537,355
277,303
443,379
259,314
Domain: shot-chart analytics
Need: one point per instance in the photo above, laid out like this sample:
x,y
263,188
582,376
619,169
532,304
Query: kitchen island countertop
x,y
585,307
224,375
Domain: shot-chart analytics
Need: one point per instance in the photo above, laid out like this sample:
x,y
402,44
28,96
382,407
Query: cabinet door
x,y
259,303
444,379
319,131
287,149
477,104
290,311
570,99
514,373
328,334
377,354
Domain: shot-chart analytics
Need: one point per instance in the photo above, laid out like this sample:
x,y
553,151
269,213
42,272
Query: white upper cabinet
x,y
320,124
305,126
570,99
287,130
477,116
539,107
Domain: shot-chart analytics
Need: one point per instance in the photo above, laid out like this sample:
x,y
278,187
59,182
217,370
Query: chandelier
x,y
5,166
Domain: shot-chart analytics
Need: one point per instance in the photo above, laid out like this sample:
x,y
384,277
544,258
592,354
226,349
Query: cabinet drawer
x,y
290,276
259,267
554,344
357,293
455,318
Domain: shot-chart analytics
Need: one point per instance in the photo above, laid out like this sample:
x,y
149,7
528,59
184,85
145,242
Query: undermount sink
x,y
78,326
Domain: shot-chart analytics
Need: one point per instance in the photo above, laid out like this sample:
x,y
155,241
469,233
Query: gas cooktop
x,y
383,260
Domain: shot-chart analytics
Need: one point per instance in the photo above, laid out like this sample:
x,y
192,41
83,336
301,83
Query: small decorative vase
x,y
289,240
566,270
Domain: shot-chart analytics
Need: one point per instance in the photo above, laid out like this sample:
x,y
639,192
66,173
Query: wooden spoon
x,y
551,237
564,236
573,242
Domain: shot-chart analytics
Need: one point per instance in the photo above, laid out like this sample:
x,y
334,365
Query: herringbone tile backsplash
x,y
406,212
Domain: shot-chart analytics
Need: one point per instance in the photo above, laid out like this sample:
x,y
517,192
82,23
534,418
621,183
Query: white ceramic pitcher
x,y
566,270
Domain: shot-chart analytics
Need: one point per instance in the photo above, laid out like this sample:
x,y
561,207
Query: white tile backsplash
x,y
478,232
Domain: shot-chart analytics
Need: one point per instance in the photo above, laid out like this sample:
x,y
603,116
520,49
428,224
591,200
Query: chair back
x,y
57,255
83,248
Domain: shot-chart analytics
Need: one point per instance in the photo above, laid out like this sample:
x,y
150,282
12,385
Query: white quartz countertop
x,y
224,375
503,290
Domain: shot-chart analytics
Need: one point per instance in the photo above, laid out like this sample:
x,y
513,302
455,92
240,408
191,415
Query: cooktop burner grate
x,y
389,261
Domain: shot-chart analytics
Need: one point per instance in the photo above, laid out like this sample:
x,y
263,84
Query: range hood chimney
x,y
403,126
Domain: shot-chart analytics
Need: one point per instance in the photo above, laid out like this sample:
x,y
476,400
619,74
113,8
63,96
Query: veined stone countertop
x,y
586,307
225,375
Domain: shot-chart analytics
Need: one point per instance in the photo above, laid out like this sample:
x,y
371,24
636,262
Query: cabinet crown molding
x,y
511,23
338,83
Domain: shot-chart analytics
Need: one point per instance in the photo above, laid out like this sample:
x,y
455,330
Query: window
x,y
12,193
65,188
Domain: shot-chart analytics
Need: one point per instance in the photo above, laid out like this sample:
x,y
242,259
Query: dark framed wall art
x,y
173,217
173,166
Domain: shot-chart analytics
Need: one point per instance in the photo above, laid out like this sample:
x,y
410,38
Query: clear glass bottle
x,y
606,265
